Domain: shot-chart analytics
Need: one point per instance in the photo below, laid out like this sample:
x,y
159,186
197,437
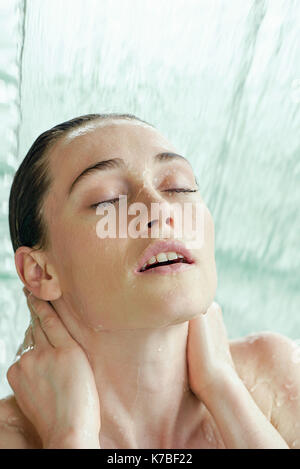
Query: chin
x,y
176,308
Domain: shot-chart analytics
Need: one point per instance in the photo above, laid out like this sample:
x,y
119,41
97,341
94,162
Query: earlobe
x,y
51,287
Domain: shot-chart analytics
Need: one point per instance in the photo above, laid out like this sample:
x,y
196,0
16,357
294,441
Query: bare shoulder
x,y
269,365
16,432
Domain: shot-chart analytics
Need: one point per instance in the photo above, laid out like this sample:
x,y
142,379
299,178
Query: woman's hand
x,y
208,351
54,384
214,380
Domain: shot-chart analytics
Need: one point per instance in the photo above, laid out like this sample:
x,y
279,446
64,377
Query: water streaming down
x,y
220,80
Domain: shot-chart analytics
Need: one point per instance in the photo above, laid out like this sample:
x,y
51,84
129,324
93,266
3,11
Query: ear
x,y
37,274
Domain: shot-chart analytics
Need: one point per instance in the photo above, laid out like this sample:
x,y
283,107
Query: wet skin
x,y
254,358
91,283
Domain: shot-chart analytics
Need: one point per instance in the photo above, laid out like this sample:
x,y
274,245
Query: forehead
x,y
134,142
101,139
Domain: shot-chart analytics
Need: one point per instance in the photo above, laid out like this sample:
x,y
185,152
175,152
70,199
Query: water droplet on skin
x,y
259,382
292,391
208,432
98,328
279,401
159,349
295,443
12,426
13,420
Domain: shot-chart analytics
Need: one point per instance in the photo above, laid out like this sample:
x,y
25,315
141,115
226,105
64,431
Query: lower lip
x,y
167,269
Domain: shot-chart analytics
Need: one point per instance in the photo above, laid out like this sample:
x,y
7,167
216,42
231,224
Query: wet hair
x,y
32,182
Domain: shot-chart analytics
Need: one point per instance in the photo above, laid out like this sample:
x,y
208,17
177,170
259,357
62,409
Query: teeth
x,y
172,256
163,257
152,260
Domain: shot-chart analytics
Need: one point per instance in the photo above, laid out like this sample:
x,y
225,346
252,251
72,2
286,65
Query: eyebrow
x,y
120,163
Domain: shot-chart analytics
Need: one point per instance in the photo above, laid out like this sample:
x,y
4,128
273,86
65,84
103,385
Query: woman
x,y
122,353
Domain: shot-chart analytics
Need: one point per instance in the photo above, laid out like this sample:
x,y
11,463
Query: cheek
x,y
93,266
78,254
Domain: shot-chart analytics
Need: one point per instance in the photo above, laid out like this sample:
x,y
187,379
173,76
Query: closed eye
x,y
111,201
180,190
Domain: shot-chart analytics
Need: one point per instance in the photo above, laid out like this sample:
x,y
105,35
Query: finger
x,y
38,337
28,339
52,326
198,329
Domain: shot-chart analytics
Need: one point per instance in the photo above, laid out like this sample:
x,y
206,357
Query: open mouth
x,y
169,262
165,257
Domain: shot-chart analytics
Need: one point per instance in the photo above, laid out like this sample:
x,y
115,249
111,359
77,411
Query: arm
x,y
47,383
240,421
215,381
281,356
74,441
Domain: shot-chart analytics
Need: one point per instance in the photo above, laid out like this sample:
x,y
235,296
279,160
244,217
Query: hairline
x,y
90,126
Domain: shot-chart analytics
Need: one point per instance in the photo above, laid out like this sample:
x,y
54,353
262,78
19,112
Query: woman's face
x,y
96,275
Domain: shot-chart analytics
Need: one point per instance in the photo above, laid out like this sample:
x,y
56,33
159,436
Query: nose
x,y
167,221
160,225
157,219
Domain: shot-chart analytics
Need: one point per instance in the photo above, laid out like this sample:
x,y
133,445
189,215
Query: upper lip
x,y
164,246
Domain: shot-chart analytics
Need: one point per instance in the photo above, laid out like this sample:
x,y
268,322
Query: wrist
x,y
214,387
73,440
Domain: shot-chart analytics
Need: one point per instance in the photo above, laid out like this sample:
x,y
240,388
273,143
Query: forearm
x,y
240,421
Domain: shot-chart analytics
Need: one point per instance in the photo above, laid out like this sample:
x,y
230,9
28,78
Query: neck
x,y
142,381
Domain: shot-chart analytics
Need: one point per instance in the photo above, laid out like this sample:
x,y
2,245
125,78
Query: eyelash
x,y
168,190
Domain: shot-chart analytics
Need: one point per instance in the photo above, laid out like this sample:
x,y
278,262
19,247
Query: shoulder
x,y
16,432
269,364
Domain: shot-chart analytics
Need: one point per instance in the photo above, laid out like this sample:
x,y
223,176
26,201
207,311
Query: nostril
x,y
151,223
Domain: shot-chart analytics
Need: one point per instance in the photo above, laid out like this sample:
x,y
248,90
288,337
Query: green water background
x,y
220,79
